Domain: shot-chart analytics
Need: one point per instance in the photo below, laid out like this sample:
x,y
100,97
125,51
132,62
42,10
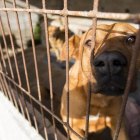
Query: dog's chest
x,y
97,122
93,117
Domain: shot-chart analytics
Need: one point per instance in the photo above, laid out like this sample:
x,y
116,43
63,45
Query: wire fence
x,y
6,80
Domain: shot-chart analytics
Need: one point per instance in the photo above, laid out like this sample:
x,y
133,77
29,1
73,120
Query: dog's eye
x,y
131,40
88,43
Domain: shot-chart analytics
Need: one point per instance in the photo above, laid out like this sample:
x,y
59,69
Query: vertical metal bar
x,y
36,68
26,108
67,63
49,66
5,44
9,93
24,62
12,43
4,63
22,49
129,82
12,91
1,70
11,70
17,69
6,86
3,88
20,103
19,79
95,9
9,61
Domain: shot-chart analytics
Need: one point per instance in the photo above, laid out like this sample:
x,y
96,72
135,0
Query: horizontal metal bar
x,y
104,15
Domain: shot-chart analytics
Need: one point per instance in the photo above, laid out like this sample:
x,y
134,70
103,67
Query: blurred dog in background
x,y
8,43
57,39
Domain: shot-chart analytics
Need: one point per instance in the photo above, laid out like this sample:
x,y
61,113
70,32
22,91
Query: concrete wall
x,y
132,6
23,20
107,5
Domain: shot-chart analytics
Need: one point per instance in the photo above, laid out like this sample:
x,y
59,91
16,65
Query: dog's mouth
x,y
110,88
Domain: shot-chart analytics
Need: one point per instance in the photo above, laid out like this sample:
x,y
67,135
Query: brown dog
x,y
110,66
57,38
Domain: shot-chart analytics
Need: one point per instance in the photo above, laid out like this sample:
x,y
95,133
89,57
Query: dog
x,y
57,39
109,70
8,41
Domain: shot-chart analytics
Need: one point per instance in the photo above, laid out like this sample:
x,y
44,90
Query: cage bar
x,y
36,68
100,15
49,65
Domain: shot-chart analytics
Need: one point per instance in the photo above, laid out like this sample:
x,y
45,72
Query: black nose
x,y
110,62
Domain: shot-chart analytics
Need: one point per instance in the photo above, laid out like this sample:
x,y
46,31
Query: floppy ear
x,y
74,42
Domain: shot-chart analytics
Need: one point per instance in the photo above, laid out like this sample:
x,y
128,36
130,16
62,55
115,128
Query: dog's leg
x,y
76,126
123,134
57,55
78,131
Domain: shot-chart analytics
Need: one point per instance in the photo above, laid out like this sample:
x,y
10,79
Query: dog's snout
x,y
110,62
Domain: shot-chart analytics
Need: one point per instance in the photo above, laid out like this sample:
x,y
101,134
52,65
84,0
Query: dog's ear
x,y
74,43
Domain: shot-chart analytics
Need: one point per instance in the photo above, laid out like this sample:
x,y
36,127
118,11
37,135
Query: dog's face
x,y
53,31
111,60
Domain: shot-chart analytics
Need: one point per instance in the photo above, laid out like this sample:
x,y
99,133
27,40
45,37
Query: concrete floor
x,y
13,125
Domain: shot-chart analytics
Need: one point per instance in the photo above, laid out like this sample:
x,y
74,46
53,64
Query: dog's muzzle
x,y
109,67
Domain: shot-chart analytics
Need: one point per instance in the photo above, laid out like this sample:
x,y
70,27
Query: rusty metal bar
x,y
4,63
11,70
129,83
12,43
3,88
94,24
20,103
5,70
19,100
49,65
34,117
16,64
15,101
5,44
67,63
24,63
22,49
26,108
100,15
9,93
6,86
9,61
36,67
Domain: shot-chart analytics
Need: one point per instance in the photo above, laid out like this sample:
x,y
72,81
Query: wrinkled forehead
x,y
109,31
